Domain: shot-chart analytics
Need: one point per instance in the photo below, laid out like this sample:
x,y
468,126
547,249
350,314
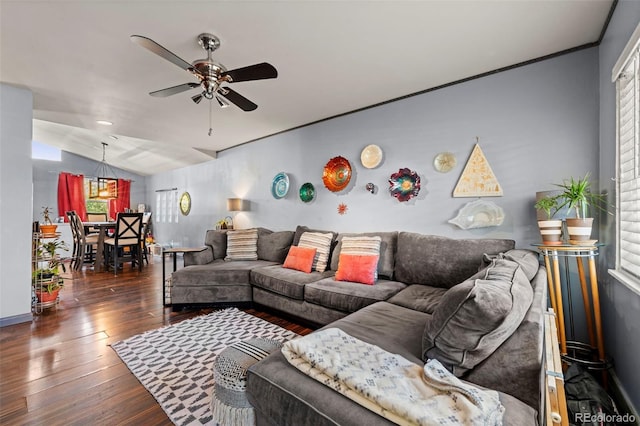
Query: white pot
x,y
551,231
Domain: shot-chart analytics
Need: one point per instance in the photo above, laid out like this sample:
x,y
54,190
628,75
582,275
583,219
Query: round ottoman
x,y
229,405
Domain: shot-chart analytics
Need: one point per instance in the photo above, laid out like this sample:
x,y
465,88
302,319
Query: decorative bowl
x,y
307,192
404,184
336,174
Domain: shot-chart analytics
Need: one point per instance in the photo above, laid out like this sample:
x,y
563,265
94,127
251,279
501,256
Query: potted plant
x,y
47,227
45,278
576,194
550,229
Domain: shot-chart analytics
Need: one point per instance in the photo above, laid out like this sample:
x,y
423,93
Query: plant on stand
x,y
576,194
46,279
47,227
550,229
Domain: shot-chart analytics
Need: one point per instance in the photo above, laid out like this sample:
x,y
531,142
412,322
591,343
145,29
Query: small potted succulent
x,y
576,194
550,228
45,278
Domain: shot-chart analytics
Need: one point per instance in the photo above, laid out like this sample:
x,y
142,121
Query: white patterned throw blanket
x,y
389,384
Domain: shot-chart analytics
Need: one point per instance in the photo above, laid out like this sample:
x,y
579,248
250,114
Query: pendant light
x,y
105,185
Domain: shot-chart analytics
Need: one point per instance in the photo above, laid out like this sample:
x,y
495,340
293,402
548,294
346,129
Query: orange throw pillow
x,y
300,259
357,268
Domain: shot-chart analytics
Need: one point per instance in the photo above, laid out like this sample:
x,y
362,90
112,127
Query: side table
x,y
590,299
166,283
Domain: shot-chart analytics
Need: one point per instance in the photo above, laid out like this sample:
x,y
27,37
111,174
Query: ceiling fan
x,y
211,74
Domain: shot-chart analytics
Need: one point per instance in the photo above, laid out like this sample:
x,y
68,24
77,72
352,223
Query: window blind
x,y
628,200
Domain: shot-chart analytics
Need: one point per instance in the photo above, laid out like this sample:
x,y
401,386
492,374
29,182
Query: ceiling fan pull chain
x,y
210,127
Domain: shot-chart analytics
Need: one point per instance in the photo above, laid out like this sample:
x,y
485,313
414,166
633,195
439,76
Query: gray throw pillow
x,y
475,317
529,260
274,246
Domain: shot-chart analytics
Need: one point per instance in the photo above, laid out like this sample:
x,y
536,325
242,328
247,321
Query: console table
x,y
590,299
166,283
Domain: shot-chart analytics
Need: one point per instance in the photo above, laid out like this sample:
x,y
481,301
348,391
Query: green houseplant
x,y
550,229
47,226
45,278
577,196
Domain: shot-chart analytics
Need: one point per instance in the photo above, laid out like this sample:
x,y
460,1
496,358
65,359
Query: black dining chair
x,y
146,228
83,244
126,243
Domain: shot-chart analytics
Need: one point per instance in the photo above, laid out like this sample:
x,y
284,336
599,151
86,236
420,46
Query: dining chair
x,y
126,243
96,217
146,227
83,244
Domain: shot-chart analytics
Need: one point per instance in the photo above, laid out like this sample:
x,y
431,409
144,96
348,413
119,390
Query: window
x,y
94,205
626,75
40,151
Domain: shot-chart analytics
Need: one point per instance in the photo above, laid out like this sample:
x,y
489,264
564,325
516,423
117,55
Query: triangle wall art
x,y
477,178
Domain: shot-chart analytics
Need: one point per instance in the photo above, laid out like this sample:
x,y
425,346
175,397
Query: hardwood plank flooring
x,y
59,369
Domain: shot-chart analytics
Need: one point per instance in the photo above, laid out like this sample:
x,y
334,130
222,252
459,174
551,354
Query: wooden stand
x,y
590,299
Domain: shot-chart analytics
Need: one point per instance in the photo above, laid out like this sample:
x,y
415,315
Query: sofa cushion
x,y
274,246
300,259
283,281
357,268
348,296
475,317
322,243
217,239
419,297
217,272
388,246
242,244
440,261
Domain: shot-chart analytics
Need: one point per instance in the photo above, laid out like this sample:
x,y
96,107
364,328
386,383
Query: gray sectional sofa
x,y
474,304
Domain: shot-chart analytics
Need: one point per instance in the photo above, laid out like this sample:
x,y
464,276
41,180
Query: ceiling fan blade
x,y
154,47
252,72
173,90
237,99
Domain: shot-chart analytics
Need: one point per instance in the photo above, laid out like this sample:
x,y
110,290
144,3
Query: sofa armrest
x,y
199,258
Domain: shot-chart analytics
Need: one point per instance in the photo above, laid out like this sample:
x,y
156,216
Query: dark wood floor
x,y
59,368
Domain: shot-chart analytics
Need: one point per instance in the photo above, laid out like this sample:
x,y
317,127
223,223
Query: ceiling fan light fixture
x,y
221,101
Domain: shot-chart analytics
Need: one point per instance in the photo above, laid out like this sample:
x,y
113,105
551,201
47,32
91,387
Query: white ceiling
x,y
332,57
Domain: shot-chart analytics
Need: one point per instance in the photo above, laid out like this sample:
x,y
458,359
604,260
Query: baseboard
x,y
621,398
16,319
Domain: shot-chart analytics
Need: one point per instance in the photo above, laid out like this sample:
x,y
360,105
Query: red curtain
x,y
123,201
71,195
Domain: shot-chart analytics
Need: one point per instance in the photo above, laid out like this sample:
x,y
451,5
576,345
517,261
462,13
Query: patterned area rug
x,y
175,362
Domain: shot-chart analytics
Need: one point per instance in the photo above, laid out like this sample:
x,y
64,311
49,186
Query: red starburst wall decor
x,y
342,208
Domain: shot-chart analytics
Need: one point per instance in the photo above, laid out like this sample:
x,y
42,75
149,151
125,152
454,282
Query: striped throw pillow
x,y
361,245
322,244
242,244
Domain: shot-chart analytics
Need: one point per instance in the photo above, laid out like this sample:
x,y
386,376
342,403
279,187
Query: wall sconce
x,y
236,205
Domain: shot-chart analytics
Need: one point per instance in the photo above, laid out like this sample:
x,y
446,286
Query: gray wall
x,y
537,125
15,204
45,181
620,305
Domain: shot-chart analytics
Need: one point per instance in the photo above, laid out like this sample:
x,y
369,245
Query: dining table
x,y
101,227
